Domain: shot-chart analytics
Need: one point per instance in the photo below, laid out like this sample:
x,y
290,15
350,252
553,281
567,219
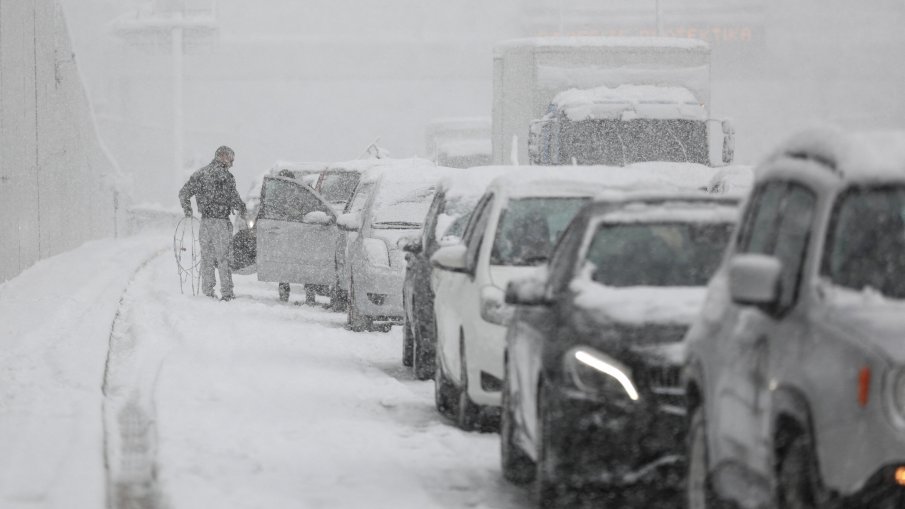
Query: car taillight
x,y
864,386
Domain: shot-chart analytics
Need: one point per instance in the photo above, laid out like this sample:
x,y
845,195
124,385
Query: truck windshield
x,y
866,248
615,142
657,254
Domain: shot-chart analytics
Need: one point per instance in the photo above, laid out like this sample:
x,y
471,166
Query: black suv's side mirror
x,y
529,291
413,246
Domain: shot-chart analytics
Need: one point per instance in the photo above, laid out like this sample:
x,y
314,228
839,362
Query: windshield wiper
x,y
397,224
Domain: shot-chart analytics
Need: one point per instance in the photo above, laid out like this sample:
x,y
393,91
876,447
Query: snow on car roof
x,y
632,101
473,181
575,180
298,166
733,180
605,42
465,148
675,209
875,155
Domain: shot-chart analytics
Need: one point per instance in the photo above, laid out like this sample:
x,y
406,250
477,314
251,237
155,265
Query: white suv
x,y
796,367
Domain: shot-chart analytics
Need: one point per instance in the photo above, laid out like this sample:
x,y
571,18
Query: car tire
x,y
283,290
518,468
445,394
423,357
357,321
407,344
310,295
699,493
550,488
339,299
468,416
798,483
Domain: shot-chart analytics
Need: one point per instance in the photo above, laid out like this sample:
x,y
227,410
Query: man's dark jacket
x,y
214,188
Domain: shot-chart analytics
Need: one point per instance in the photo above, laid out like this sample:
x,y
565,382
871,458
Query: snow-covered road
x,y
257,403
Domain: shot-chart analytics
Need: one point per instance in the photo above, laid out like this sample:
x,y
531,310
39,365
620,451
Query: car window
x,y
475,233
760,222
338,187
562,260
430,221
866,243
657,254
288,200
360,199
528,228
792,238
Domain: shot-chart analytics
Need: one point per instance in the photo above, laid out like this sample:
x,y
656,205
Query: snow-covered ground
x,y
247,404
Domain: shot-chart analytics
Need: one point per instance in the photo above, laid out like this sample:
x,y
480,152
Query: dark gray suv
x,y
795,374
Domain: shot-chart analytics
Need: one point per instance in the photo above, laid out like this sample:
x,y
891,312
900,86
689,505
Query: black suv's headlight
x,y
599,374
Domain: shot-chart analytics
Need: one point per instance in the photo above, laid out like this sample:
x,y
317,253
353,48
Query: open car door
x,y
296,235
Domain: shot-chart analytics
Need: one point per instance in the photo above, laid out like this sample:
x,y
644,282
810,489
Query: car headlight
x,y
599,374
377,253
251,223
493,306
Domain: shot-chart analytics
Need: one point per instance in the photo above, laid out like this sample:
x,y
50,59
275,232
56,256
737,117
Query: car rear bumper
x,y
378,293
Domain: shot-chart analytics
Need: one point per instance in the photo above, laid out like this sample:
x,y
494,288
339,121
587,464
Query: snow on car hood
x,y
640,304
869,316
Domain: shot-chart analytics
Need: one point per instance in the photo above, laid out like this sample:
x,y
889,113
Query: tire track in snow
x,y
130,377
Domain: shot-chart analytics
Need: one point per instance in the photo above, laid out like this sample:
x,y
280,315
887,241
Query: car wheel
x,y
424,358
469,415
699,493
407,343
357,321
339,299
551,490
798,484
518,468
445,395
310,295
283,289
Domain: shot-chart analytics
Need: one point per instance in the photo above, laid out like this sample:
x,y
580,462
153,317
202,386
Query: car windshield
x,y
338,187
452,219
866,248
401,205
657,254
619,143
287,200
529,227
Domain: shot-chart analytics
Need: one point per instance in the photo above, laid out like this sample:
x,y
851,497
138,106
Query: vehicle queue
x,y
636,326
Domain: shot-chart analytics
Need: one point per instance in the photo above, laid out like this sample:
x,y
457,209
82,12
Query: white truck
x,y
605,100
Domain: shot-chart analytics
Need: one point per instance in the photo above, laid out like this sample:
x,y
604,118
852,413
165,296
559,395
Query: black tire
x,y
339,299
407,344
423,356
518,468
798,483
551,490
310,295
283,290
699,493
445,393
357,321
469,415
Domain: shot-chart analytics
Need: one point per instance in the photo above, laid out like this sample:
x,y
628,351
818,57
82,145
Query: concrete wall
x,y
56,182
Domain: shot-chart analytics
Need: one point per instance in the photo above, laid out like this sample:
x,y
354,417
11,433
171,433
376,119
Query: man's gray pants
x,y
216,251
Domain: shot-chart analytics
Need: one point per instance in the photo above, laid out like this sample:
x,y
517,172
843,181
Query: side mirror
x,y
529,291
720,142
319,217
450,258
349,222
754,280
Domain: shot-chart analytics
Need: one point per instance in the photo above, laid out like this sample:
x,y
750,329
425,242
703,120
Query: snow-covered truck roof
x,y
675,43
628,102
594,180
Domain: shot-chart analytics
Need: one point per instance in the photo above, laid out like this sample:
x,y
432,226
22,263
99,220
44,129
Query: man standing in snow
x,y
214,189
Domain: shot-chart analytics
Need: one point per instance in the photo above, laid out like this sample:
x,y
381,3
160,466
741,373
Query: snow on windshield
x,y
529,227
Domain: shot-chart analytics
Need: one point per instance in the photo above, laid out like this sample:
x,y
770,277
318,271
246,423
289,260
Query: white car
x,y
394,201
511,232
